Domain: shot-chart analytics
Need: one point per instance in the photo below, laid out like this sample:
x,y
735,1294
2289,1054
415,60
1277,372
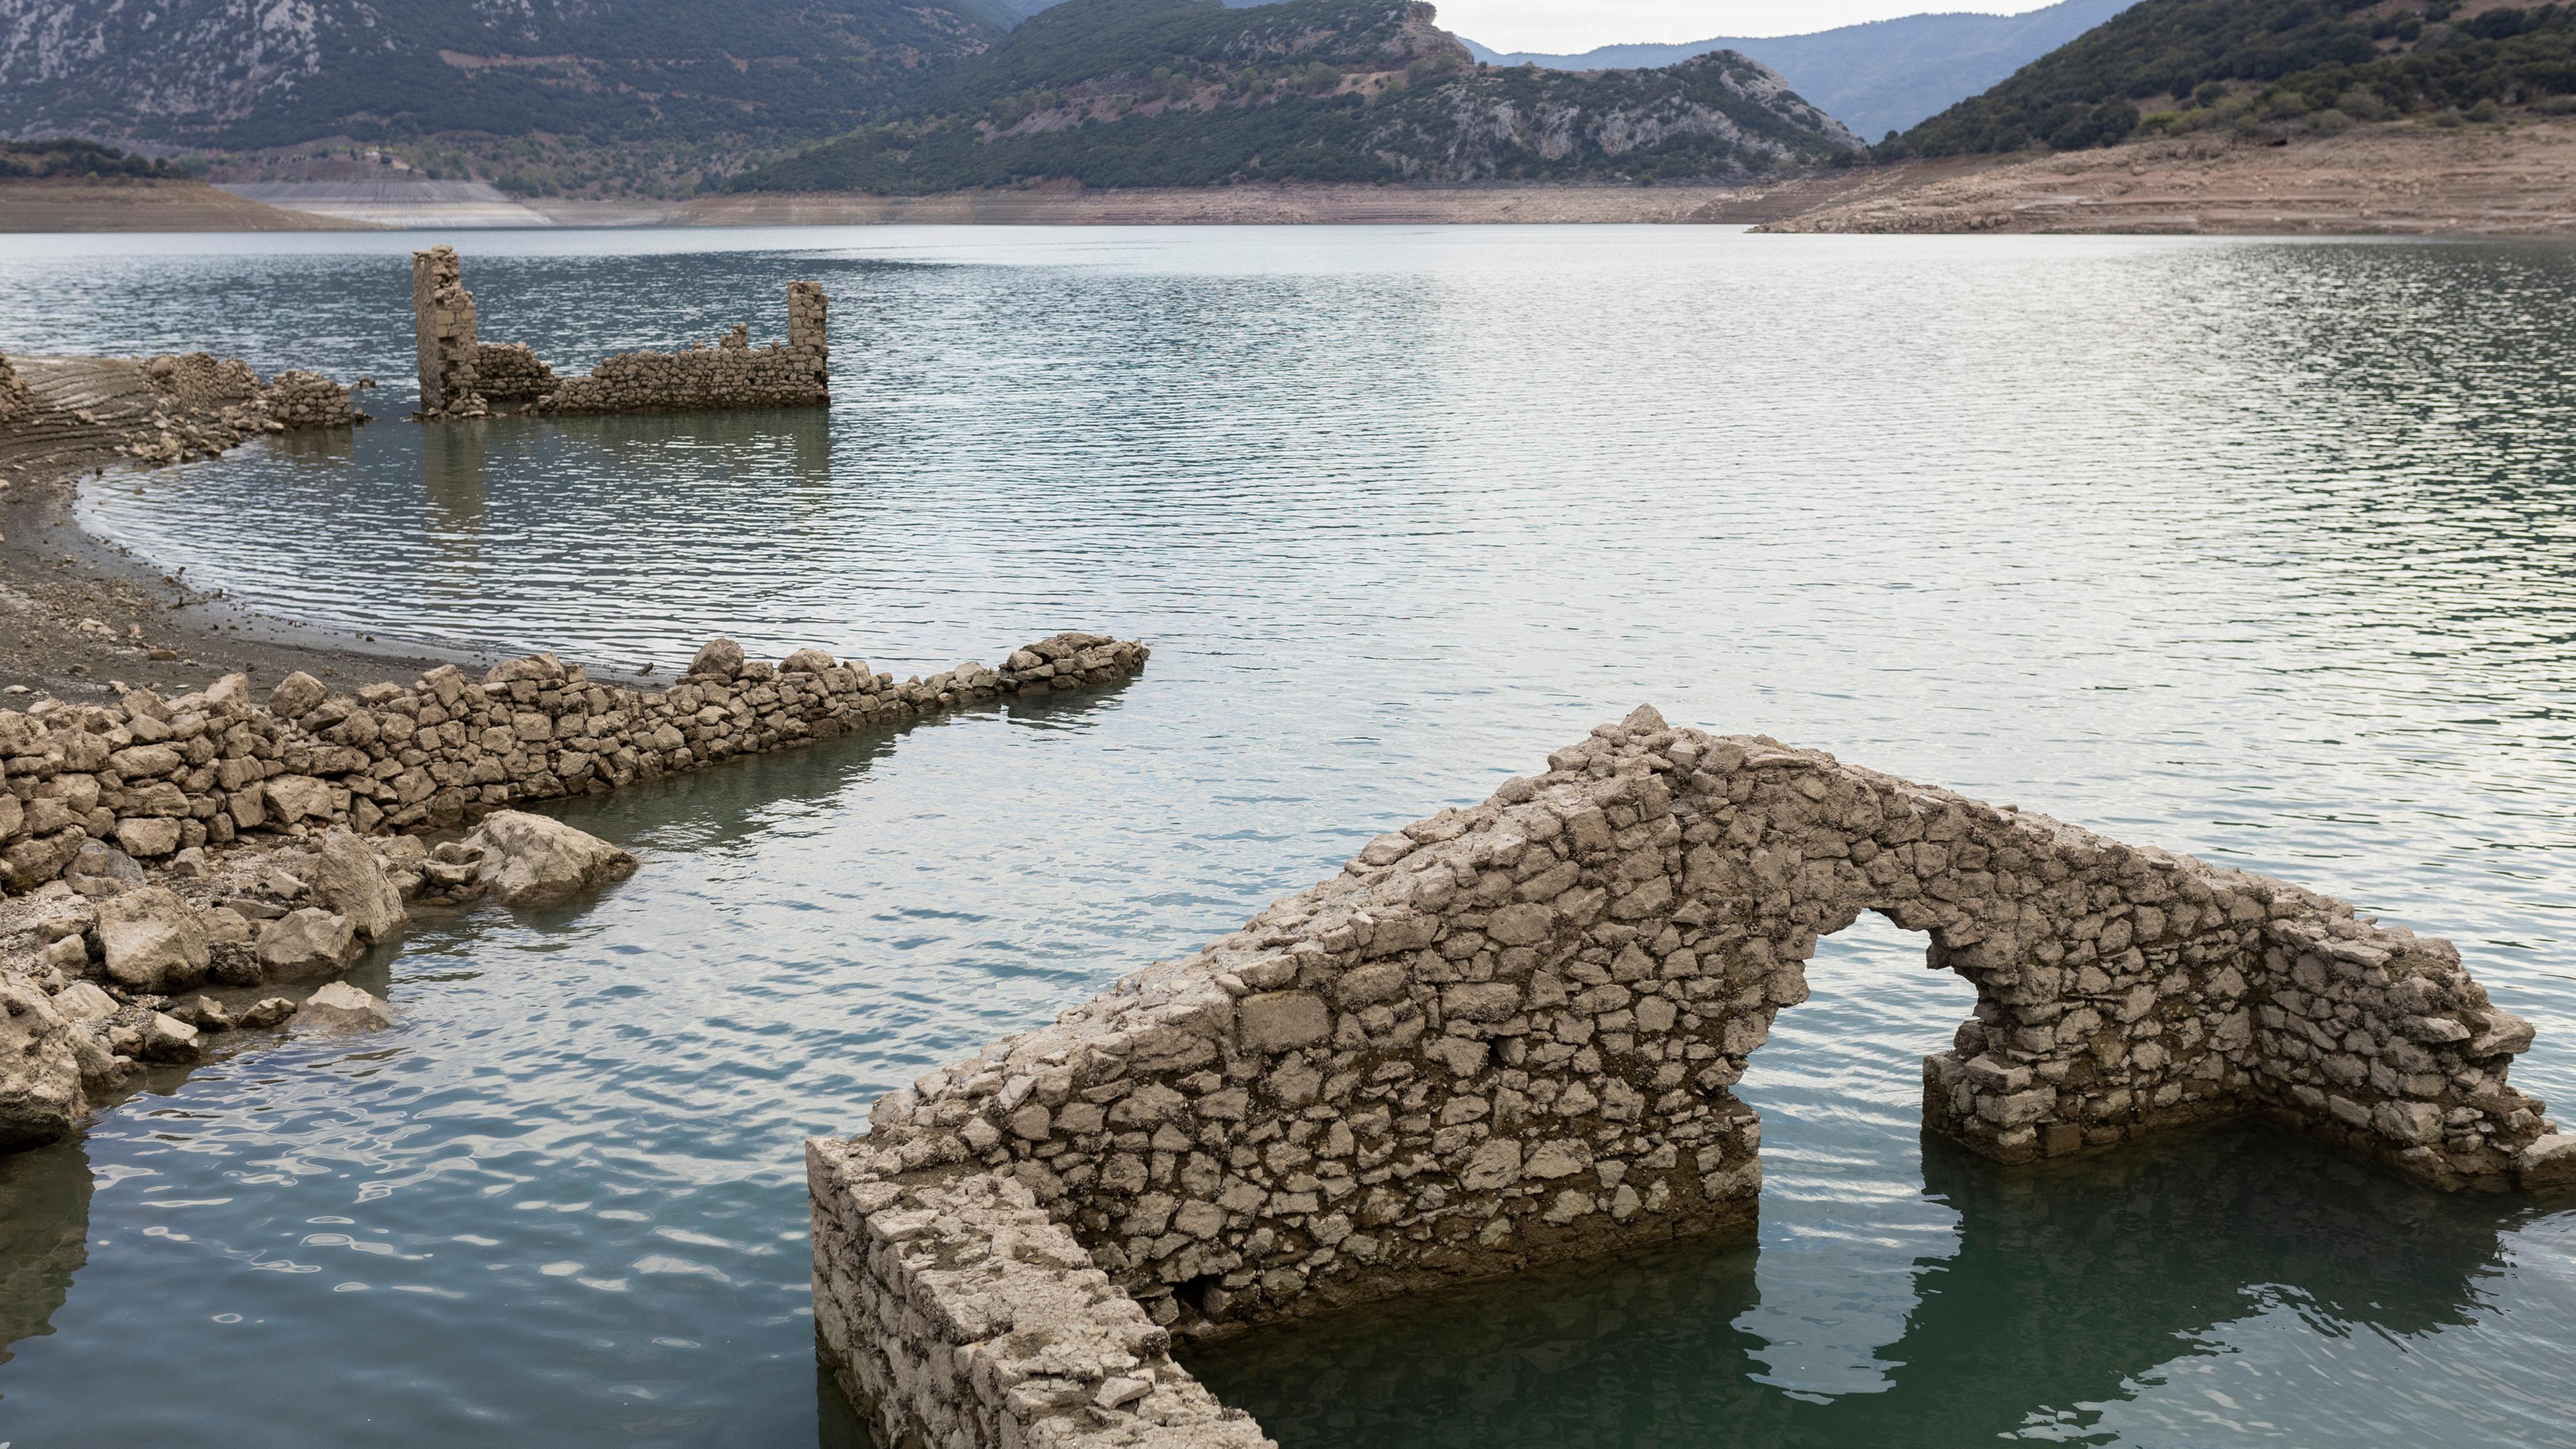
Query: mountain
x,y
1193,93
2272,67
1875,78
555,94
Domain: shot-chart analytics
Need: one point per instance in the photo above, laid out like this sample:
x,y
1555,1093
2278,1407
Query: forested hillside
x,y
2285,65
1191,93
548,94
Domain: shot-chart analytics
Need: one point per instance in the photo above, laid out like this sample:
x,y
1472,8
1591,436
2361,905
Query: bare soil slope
x,y
2382,180
129,205
1272,204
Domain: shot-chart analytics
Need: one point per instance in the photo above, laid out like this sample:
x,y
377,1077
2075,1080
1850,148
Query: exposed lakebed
x,y
2259,550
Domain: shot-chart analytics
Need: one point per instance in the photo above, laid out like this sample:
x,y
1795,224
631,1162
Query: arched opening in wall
x,y
1845,1222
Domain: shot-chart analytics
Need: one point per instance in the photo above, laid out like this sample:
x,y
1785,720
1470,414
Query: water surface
x,y
2261,550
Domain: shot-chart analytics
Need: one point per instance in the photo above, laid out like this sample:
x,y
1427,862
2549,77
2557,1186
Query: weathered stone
x,y
168,1039
98,870
306,943
83,1001
296,695
41,1096
149,838
721,658
351,880
290,798
1279,1021
2549,1162
149,940
339,1006
535,859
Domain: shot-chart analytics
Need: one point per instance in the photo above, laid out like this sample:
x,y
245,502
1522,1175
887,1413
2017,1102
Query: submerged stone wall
x,y
1508,1034
155,776
731,374
461,375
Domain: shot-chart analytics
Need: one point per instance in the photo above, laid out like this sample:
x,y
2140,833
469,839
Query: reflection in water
x,y
452,490
44,1236
2068,1284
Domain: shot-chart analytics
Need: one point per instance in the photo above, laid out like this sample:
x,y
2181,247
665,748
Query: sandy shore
x,y
1275,204
135,205
2404,180
77,613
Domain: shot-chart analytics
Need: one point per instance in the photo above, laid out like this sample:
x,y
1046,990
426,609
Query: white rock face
x,y
533,859
40,1075
340,1006
151,940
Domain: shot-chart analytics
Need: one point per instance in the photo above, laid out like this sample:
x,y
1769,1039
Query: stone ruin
x,y
14,398
462,376
1508,1035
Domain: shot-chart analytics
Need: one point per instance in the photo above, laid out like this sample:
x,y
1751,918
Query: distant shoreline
x,y
2406,180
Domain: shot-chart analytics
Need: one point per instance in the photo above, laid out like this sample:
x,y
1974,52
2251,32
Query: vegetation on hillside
x,y
79,159
1190,93
613,95
2179,65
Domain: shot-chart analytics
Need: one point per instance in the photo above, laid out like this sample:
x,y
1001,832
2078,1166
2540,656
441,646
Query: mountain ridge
x,y
1875,77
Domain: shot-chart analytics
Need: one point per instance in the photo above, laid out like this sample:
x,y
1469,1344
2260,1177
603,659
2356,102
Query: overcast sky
x,y
1579,25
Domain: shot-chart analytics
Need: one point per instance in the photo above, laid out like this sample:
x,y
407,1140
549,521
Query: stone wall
x,y
14,398
156,776
731,374
443,334
461,376
956,1305
510,372
1508,1034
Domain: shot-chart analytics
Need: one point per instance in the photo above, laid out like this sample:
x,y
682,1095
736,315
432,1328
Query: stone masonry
x,y
14,398
156,776
1508,1034
461,375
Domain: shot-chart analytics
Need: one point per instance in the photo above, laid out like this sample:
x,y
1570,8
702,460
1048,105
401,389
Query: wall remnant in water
x,y
1507,1035
461,375
15,400
156,776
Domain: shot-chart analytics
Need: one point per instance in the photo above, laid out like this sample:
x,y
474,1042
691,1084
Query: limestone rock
x,y
719,657
168,1039
534,859
98,869
306,943
82,1001
297,797
147,836
340,1006
2549,1162
40,1072
150,940
351,880
266,1012
296,695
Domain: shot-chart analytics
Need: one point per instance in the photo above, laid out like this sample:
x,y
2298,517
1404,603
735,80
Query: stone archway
x,y
1508,1034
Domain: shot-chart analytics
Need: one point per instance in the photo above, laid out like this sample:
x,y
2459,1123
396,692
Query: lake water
x,y
2261,550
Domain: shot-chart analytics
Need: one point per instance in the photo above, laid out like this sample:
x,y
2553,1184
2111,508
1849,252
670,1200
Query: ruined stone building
x,y
1510,1034
462,376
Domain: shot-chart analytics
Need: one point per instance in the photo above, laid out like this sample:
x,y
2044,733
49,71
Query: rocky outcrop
x,y
167,775
461,375
1508,1035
